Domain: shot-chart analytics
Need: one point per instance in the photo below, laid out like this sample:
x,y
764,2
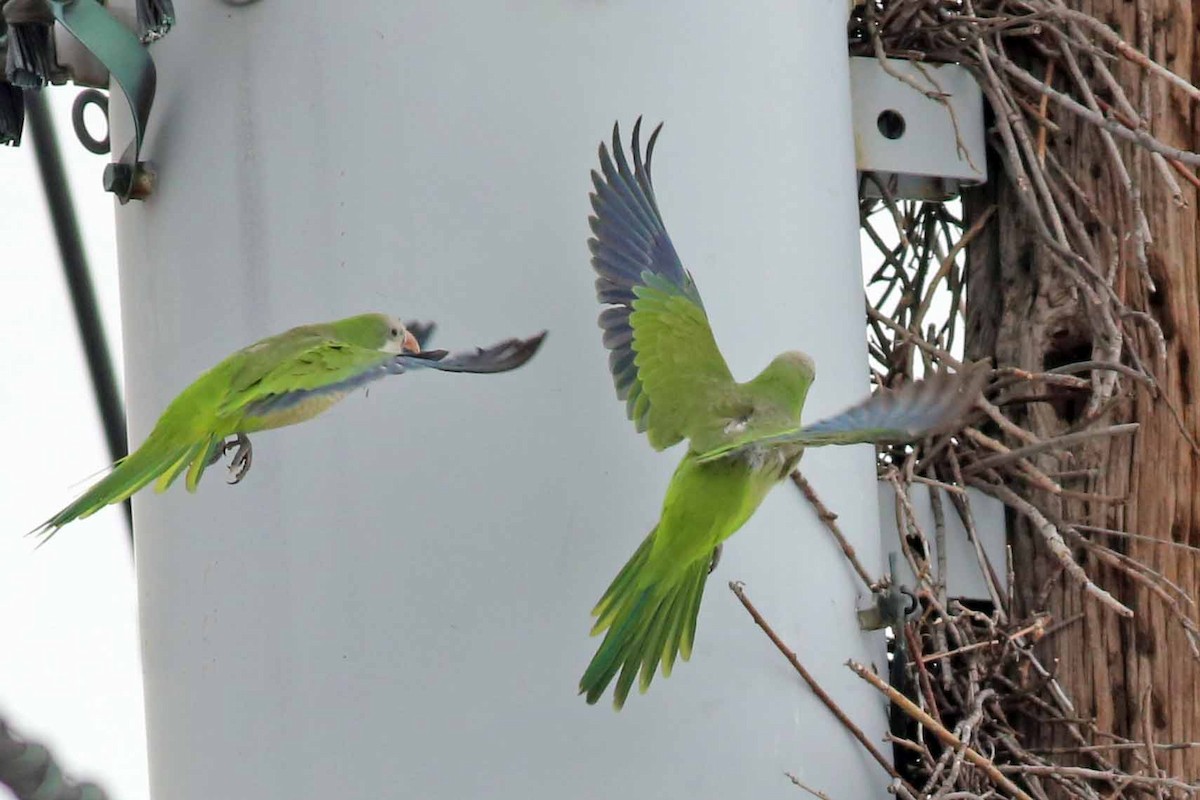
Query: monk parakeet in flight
x,y
743,438
281,380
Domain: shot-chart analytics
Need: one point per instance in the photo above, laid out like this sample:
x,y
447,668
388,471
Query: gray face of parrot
x,y
399,339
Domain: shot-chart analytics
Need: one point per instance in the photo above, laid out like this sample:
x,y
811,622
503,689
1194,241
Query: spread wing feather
x,y
918,409
663,357
326,365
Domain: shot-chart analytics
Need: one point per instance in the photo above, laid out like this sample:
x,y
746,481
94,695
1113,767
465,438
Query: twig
x,y
1038,627
1054,542
1138,137
806,787
942,355
1043,107
1148,734
829,519
1090,748
937,729
1125,49
1138,536
739,591
991,462
1100,775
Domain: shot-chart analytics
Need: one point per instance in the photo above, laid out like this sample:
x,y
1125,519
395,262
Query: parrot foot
x,y
239,465
716,558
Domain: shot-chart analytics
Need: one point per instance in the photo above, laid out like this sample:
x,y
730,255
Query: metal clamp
x,y
918,128
122,54
893,603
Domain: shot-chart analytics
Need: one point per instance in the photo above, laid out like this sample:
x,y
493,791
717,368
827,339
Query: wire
x,y
79,280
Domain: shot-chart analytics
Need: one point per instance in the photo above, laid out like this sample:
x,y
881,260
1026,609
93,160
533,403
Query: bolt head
x,y
118,178
130,183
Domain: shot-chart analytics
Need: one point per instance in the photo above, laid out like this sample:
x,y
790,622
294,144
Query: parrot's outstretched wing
x,y
324,366
664,359
422,331
331,366
921,408
500,357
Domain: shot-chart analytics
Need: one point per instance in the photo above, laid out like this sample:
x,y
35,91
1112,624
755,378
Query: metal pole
x,y
79,280
395,601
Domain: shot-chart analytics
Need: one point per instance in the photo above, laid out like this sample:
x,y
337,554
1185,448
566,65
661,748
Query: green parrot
x,y
281,380
743,438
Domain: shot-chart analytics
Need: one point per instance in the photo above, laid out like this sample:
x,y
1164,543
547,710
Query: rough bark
x,y
1126,675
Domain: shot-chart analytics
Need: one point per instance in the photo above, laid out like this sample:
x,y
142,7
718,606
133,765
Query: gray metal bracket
x,y
122,54
892,602
971,563
918,128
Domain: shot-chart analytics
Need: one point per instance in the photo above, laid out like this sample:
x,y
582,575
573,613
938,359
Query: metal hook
x,y
82,101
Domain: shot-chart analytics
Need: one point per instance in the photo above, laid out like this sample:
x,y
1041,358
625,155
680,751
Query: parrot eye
x,y
395,332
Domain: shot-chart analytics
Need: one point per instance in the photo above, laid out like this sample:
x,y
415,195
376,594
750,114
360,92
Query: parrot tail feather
x,y
645,626
619,590
128,475
204,457
195,459
172,472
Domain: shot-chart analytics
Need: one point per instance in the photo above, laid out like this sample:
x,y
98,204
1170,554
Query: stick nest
x,y
966,683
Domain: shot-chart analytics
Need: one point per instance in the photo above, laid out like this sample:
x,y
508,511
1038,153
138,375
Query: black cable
x,y
79,280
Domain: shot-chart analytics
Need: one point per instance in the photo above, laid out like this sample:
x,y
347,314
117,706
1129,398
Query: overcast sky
x,y
70,672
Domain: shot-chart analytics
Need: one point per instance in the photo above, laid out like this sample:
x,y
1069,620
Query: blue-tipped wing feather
x,y
638,271
629,240
918,409
421,331
500,357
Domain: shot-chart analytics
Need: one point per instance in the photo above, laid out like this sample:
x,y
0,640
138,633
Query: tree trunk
x,y
1135,678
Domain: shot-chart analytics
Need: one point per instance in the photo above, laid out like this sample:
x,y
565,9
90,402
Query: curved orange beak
x,y
410,343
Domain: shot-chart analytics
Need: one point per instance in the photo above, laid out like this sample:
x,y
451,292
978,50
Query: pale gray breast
x,y
773,458
301,408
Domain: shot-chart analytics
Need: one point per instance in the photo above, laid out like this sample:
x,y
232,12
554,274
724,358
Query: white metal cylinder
x,y
395,601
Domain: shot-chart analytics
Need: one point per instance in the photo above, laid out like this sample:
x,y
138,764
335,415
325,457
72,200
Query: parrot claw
x,y
239,465
716,559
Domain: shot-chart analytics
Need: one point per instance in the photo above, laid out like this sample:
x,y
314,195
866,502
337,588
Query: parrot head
x,y
378,332
787,378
